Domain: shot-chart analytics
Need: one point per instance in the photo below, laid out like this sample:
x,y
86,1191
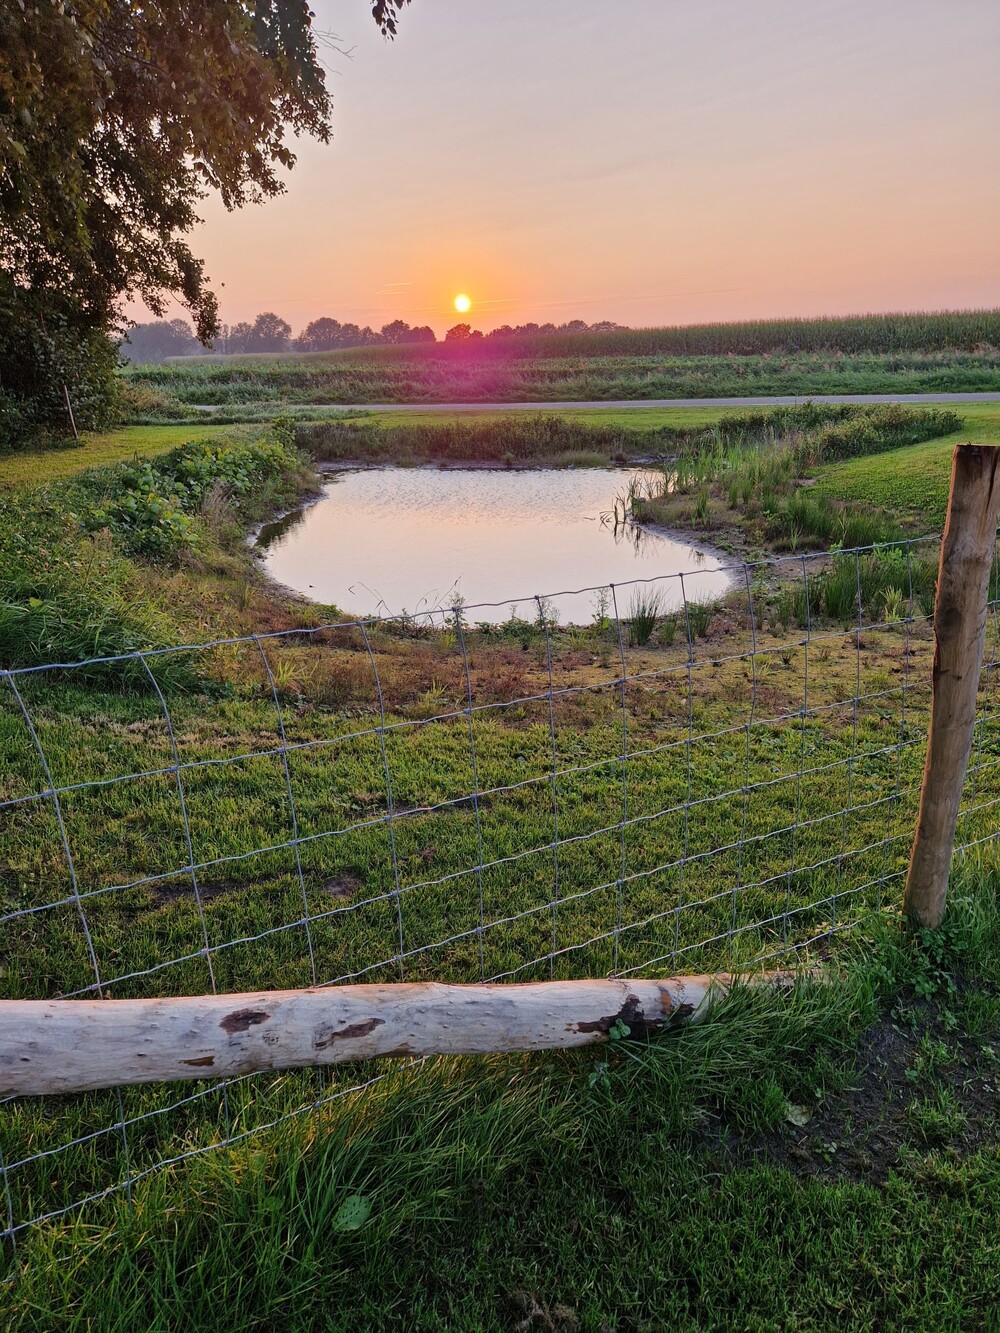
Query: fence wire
x,y
606,781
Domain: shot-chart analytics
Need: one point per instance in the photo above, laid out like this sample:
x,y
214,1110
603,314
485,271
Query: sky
x,y
651,162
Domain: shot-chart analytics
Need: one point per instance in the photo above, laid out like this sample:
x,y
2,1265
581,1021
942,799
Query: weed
x,y
936,1118
644,612
699,616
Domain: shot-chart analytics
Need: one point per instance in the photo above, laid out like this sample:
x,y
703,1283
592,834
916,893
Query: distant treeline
x,y
957,330
150,344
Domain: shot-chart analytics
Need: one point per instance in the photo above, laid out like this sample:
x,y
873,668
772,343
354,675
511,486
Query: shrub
x,y
150,504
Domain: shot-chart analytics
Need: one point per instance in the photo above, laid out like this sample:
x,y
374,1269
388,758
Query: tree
x,y
322,335
116,118
237,338
395,332
269,333
148,344
458,333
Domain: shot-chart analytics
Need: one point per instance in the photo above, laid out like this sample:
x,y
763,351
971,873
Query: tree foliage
x,y
116,118
149,344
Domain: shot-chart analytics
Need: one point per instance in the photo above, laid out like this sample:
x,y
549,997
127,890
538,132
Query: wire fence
x,y
609,781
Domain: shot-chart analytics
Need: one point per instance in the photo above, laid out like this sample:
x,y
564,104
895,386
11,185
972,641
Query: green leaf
x,y
353,1213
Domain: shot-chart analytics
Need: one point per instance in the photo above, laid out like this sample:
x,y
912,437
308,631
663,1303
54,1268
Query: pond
x,y
383,541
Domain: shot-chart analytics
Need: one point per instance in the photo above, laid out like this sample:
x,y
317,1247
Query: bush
x,y
150,504
45,354
879,429
64,598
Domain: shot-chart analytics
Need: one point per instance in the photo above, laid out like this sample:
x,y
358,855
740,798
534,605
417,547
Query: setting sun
x,y
463,304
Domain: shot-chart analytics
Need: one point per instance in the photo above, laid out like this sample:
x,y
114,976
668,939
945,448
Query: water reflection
x,y
389,540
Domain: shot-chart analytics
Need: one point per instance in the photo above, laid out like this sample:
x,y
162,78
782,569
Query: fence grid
x,y
656,785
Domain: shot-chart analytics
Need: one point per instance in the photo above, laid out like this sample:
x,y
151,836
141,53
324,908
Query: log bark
x,y
65,1046
967,554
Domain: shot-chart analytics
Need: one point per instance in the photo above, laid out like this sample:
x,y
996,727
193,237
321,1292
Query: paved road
x,y
651,402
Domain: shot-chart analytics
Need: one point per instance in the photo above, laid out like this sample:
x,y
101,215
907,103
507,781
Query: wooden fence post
x,y
967,554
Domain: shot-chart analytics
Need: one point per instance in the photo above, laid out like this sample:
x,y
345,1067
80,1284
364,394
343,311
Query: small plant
x,y
892,605
546,615
644,612
937,1118
699,616
602,610
517,628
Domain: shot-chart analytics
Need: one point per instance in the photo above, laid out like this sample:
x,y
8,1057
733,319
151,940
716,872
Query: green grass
x,y
634,1186
488,373
36,467
911,482
638,1187
761,475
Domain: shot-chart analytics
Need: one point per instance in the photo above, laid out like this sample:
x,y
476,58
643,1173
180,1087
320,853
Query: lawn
x,y
911,482
98,449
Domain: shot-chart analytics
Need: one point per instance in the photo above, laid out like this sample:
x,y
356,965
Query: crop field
x,y
960,330
877,354
467,375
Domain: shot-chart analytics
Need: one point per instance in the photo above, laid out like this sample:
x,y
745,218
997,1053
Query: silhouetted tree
x,y
395,332
322,335
149,344
270,333
458,333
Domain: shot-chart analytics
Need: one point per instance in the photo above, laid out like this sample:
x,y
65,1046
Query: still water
x,y
387,540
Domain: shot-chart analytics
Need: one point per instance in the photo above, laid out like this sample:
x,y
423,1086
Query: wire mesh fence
x,y
609,781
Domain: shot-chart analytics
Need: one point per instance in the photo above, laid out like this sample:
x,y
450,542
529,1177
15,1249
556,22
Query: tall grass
x,y
755,461
521,438
644,612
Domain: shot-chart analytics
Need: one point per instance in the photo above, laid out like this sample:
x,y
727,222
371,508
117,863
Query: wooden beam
x,y
967,554
63,1046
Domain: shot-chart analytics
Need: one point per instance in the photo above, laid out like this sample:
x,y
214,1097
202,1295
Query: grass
x,y
510,1192
644,613
99,450
913,482
746,474
491,372
764,1170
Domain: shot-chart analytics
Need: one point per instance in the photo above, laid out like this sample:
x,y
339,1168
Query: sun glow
x,y
463,304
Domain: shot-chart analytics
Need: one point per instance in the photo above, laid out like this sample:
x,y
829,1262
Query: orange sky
x,y
654,162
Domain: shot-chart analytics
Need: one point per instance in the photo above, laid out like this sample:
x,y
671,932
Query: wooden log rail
x,y
66,1046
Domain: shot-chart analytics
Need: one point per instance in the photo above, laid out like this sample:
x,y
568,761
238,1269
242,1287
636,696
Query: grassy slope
x,y
99,450
645,1199
911,481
